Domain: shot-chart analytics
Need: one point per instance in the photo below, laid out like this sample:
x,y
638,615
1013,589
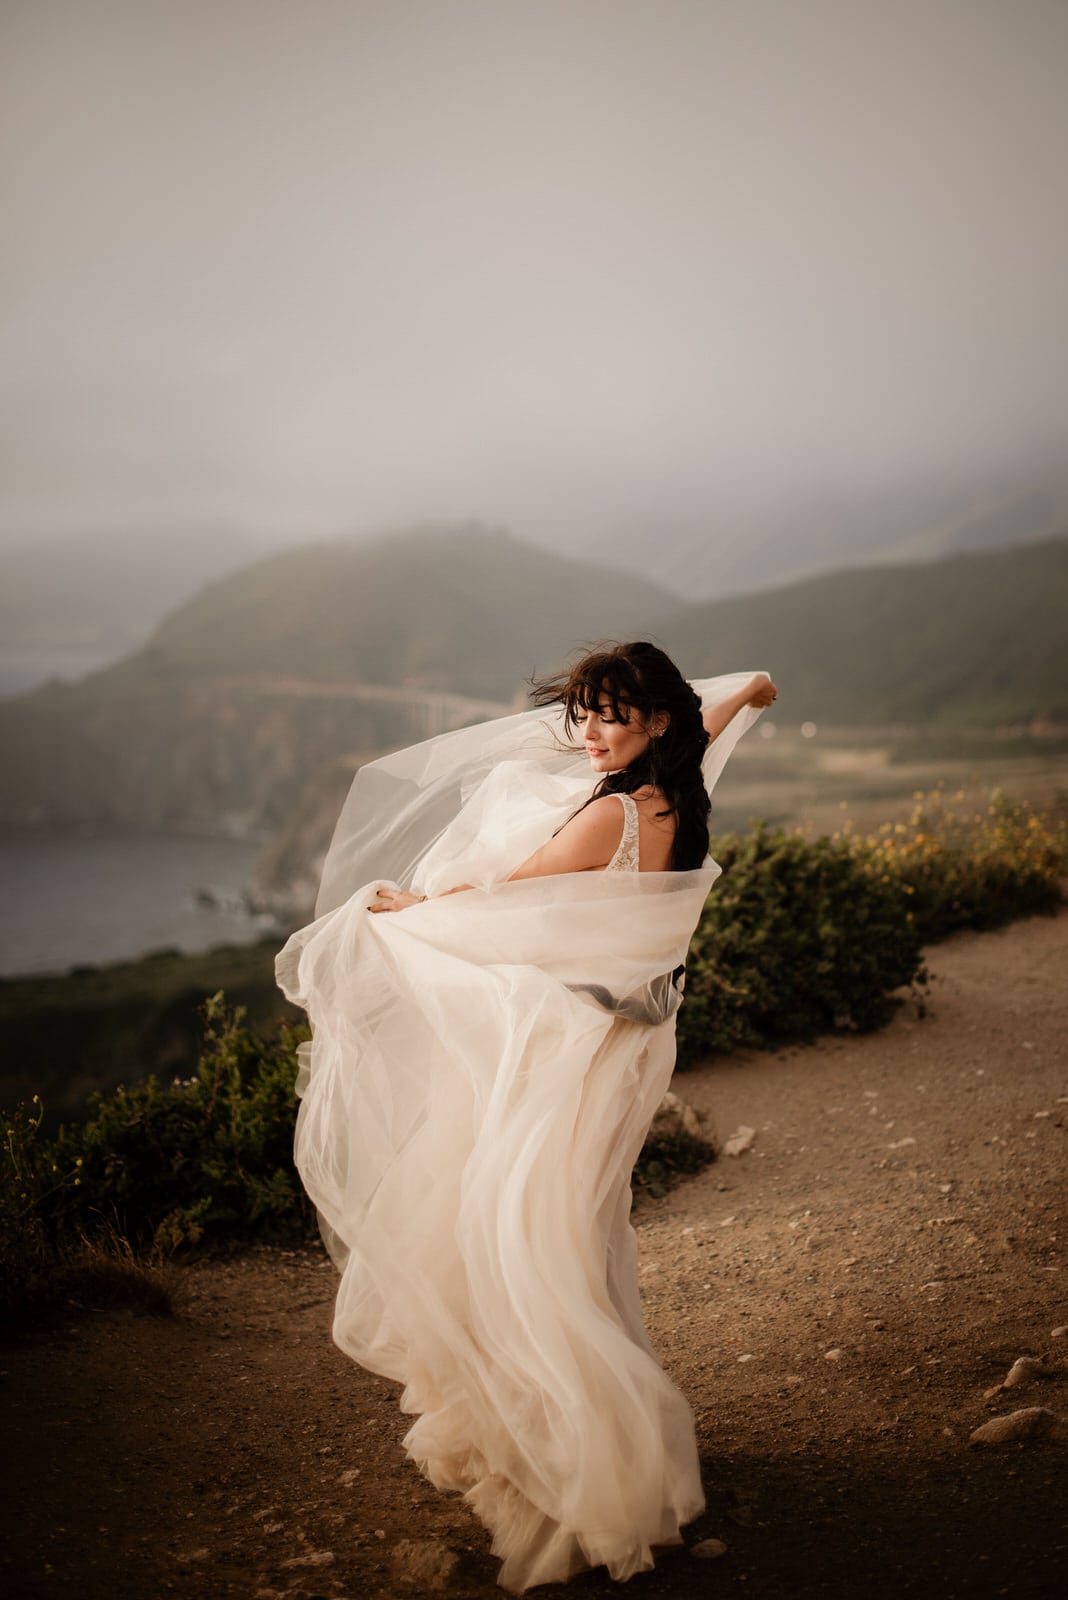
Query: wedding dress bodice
x,y
626,856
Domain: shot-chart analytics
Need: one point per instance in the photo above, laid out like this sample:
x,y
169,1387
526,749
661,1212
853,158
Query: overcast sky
x,y
308,265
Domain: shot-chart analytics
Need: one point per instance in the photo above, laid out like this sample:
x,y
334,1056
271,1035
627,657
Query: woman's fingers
x,y
393,900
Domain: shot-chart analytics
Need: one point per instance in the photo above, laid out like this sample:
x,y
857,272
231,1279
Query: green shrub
x,y
207,1157
799,936
46,1266
667,1157
29,1180
803,935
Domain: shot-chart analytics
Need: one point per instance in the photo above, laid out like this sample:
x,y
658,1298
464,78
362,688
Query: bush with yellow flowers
x,y
801,935
971,865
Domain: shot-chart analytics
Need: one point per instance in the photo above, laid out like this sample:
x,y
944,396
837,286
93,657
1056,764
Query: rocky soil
x,y
838,1302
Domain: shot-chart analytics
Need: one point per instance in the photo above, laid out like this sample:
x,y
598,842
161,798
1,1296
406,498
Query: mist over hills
x,y
113,585
71,603
227,719
468,610
711,555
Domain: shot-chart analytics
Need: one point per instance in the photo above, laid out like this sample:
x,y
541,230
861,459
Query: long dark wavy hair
x,y
640,679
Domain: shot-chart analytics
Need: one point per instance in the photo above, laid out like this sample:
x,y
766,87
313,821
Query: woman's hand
x,y
395,900
763,691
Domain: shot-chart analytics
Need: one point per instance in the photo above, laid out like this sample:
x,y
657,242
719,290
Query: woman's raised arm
x,y
759,691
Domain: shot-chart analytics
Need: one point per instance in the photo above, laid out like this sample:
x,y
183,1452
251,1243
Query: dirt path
x,y
902,1204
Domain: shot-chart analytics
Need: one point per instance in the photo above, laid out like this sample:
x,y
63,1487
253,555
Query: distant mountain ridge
x,y
702,555
467,609
276,673
96,595
975,639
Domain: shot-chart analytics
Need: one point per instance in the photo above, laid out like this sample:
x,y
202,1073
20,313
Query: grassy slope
x,y
101,1026
974,639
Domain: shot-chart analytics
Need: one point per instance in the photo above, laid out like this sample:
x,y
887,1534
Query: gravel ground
x,y
836,1302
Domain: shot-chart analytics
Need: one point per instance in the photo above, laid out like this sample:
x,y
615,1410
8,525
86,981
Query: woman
x,y
485,1064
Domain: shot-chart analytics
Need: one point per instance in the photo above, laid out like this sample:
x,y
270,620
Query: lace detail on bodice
x,y
626,856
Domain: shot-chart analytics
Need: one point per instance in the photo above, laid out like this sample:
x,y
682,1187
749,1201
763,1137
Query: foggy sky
x,y
555,263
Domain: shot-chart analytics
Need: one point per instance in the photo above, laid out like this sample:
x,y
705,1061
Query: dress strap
x,y
627,852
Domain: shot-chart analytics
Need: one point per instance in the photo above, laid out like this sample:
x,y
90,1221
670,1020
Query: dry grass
x,y
98,1272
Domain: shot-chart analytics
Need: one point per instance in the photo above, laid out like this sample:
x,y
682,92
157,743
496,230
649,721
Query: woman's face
x,y
610,744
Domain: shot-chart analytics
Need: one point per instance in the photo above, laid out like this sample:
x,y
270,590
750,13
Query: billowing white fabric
x,y
483,1071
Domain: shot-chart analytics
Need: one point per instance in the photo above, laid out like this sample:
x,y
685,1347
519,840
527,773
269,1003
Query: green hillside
x,y
469,610
977,639
101,1026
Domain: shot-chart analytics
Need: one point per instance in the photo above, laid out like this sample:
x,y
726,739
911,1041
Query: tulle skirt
x,y
468,1125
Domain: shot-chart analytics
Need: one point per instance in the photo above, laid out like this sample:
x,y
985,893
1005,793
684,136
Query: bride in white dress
x,y
490,985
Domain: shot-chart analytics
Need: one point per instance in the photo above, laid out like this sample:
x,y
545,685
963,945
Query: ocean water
x,y
72,900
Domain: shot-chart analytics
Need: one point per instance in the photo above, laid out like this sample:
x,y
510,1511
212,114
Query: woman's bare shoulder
x,y
586,841
601,816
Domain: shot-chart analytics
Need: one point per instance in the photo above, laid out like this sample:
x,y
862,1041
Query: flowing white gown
x,y
483,1071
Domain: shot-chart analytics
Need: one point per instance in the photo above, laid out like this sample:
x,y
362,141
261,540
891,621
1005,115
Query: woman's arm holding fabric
x,y
588,841
400,899
759,691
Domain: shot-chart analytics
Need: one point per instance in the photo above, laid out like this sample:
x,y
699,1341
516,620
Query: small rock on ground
x,y
675,1118
709,1549
1033,1422
1021,1371
740,1141
423,1564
